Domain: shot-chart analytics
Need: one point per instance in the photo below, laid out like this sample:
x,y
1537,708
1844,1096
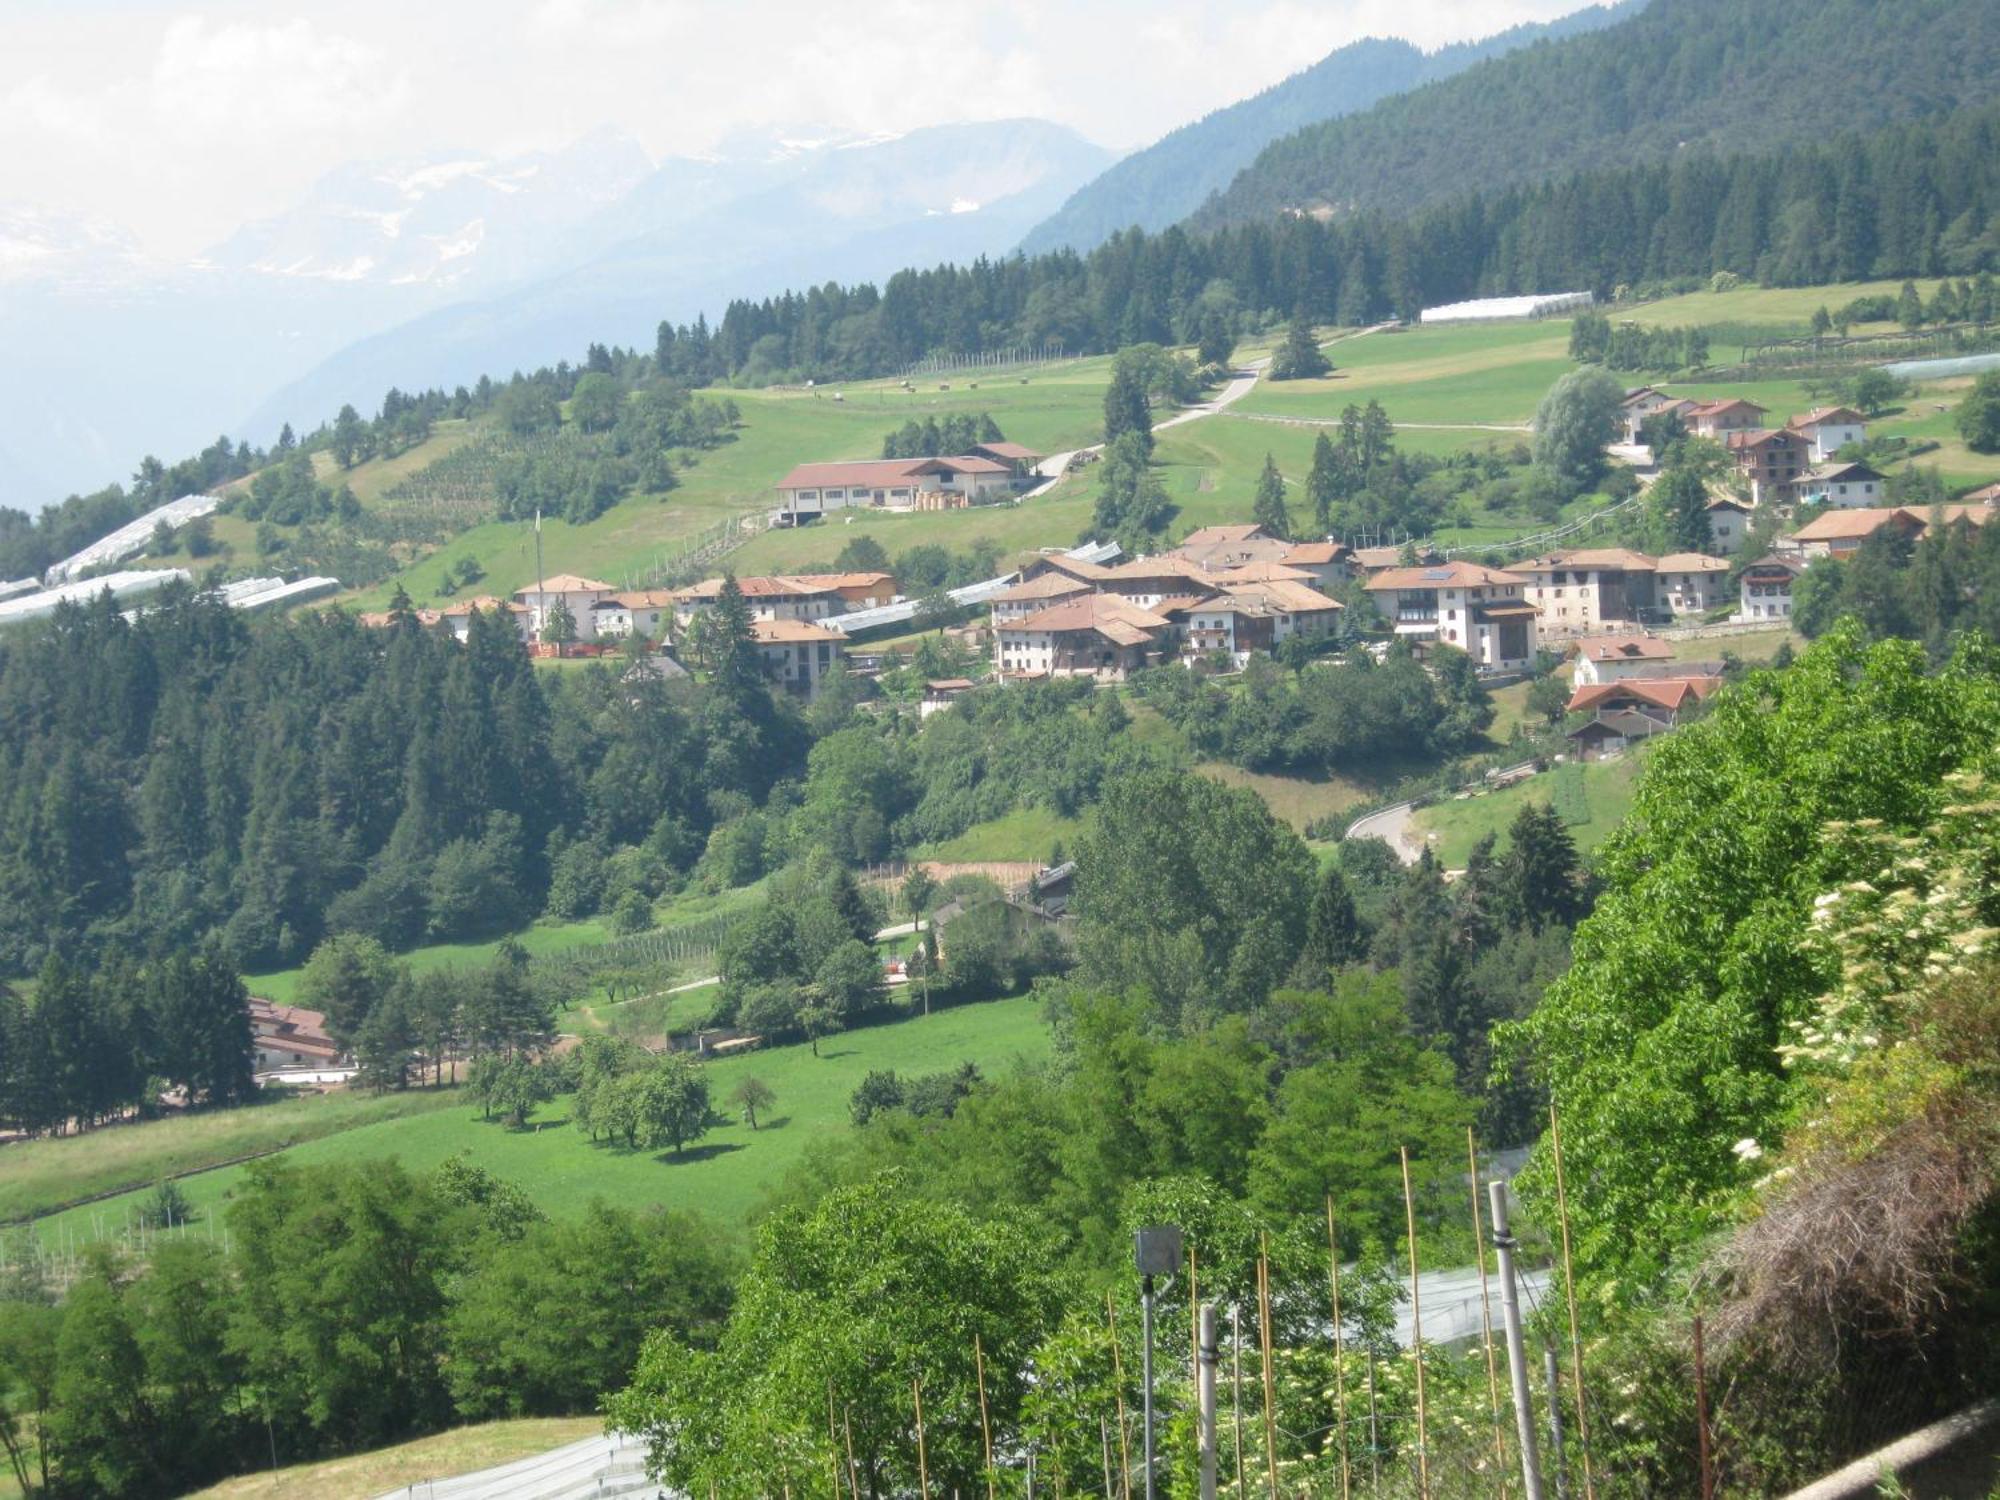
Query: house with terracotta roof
x,y
290,1036
577,595
1368,561
1265,572
1584,589
1019,457
1482,611
1661,698
1990,495
1645,401
780,597
457,616
1145,581
1247,617
1773,460
1839,533
813,489
1717,419
798,654
1020,600
1613,658
1846,486
647,612
1828,429
1689,583
1728,523
1765,588
1329,562
1103,636
1070,567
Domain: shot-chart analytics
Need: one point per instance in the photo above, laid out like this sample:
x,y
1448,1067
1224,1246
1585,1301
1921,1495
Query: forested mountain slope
x,y
1170,179
1678,74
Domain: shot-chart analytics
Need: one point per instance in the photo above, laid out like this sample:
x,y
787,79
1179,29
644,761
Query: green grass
x,y
463,1450
1458,375
37,1175
1603,787
1024,834
725,1176
1058,407
282,985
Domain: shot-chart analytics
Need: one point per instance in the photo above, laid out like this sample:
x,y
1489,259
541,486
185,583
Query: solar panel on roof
x,y
1436,575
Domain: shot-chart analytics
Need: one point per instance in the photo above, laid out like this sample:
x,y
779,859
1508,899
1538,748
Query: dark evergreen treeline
x,y
1594,340
1919,199
92,1047
192,772
1680,74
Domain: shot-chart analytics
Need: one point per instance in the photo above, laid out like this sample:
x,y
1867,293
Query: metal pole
x,y
1517,1354
1206,1354
1701,1415
1146,1374
1554,1376
1236,1390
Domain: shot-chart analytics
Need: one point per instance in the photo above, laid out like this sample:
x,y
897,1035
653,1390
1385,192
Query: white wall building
x,y
1482,611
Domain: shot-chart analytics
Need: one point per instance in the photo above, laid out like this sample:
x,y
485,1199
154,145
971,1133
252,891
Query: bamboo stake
x,y
1417,1335
1236,1390
1339,1346
1194,1325
1270,1387
853,1470
832,1441
923,1461
1104,1437
985,1427
1569,1292
1486,1316
1118,1391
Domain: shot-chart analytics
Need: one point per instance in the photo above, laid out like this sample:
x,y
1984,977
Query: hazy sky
x,y
181,121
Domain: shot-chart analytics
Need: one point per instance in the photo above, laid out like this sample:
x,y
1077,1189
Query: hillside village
x,y
1339,843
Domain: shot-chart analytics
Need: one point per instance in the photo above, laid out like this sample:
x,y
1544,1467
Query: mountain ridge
x,y
1678,73
1170,179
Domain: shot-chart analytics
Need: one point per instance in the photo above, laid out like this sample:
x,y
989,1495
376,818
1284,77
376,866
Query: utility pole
x,y
541,599
1206,1354
1517,1354
1157,1250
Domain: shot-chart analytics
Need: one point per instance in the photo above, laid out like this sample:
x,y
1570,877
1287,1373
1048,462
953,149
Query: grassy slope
x,y
1463,821
35,1175
460,1451
1057,408
724,1176
1026,833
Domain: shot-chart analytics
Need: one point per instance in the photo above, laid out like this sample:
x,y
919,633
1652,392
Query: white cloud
x,y
270,81
184,122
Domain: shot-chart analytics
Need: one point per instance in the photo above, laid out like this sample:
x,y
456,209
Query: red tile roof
x,y
1671,693
1624,647
1454,575
784,632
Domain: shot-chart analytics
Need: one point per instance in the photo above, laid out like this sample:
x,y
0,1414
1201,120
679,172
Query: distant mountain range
x,y
438,268
1734,74
1170,179
695,234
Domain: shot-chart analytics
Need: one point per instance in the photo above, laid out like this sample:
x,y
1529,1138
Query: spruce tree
x,y
1299,357
1334,935
1269,509
1680,501
1541,871
1323,484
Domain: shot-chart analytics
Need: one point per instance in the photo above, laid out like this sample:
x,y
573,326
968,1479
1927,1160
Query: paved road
x,y
1240,385
607,1466
1392,826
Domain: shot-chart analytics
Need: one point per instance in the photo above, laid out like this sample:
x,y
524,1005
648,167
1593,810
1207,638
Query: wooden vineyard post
x,y
1486,1314
1569,1292
1339,1348
923,1461
1118,1390
985,1426
1417,1335
1270,1385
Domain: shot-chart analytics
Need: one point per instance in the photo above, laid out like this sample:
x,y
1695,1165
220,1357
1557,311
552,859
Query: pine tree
x,y
1323,484
1299,357
1334,935
1268,511
738,670
1680,499
1540,871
